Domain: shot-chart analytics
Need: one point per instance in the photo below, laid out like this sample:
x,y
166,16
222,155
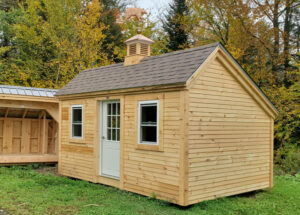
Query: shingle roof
x,y
172,68
27,91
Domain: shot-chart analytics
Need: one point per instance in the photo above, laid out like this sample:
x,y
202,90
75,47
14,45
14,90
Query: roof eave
x,y
131,90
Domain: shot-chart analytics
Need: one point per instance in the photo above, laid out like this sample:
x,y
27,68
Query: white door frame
x,y
102,139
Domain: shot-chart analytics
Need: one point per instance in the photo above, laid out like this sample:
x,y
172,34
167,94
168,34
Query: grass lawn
x,y
26,190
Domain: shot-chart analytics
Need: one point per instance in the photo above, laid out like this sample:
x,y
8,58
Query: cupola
x,y
138,48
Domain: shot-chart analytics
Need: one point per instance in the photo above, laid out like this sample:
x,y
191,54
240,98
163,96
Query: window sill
x,y
77,141
149,147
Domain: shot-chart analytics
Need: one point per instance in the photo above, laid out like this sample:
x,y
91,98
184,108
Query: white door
x,y
110,139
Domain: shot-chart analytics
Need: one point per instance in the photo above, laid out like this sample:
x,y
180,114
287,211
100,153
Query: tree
x,y
283,16
114,41
53,41
175,25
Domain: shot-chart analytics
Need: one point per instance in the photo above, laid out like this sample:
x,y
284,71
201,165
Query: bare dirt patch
x,y
48,170
3,212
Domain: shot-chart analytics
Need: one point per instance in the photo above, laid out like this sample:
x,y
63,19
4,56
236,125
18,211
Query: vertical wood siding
x,y
25,136
228,138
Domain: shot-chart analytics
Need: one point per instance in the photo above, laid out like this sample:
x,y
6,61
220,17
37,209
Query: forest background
x,y
46,43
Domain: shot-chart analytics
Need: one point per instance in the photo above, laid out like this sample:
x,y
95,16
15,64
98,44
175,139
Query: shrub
x,y
287,159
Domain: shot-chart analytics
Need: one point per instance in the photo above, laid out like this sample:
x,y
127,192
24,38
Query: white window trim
x,y
76,106
139,122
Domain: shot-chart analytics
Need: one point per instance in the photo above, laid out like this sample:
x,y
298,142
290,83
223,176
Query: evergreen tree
x,y
175,26
114,41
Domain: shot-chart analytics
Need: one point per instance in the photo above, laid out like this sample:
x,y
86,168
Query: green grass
x,y
25,191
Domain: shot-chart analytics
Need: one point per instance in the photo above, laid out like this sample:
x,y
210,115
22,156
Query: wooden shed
x,y
28,125
186,126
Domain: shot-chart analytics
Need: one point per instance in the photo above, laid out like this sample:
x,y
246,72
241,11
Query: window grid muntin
x,y
113,110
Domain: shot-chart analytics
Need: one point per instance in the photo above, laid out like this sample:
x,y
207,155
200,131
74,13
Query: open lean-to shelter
x,y
186,126
28,125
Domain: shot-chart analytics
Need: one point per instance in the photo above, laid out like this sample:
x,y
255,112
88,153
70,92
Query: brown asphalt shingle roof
x,y
172,68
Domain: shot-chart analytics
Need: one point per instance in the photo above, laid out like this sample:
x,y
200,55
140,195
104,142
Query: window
x,y
113,121
77,121
148,122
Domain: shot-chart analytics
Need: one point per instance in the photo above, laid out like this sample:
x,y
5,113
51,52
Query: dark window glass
x,y
109,121
109,109
148,123
148,133
118,108
149,114
118,134
77,130
114,134
77,115
77,122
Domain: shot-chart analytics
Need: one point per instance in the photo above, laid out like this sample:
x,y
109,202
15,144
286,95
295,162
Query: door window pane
x,y
108,134
109,109
118,134
118,108
114,109
118,121
108,121
114,135
113,121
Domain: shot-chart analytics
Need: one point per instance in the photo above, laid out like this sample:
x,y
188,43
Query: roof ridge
x,y
183,51
157,56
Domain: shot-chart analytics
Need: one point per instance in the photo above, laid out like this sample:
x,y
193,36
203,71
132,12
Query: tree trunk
x,y
275,22
286,34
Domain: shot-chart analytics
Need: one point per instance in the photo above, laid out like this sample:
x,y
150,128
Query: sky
x,y
155,7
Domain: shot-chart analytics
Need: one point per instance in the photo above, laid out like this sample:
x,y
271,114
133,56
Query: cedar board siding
x,y
229,141
141,171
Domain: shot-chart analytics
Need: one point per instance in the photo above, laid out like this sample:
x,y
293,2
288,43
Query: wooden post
x,y
44,134
271,150
183,159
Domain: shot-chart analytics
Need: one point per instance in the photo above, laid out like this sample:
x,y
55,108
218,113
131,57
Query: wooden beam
x,y
6,112
24,113
41,114
31,158
54,113
29,98
51,108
